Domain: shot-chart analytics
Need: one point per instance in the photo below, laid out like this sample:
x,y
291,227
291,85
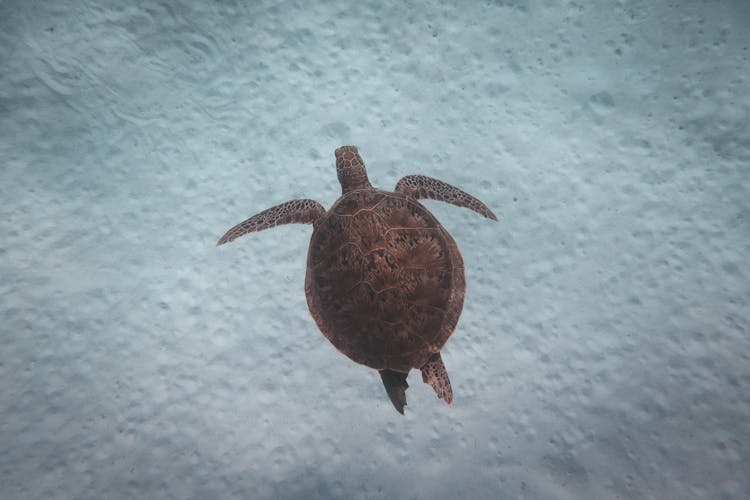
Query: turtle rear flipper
x,y
395,385
435,374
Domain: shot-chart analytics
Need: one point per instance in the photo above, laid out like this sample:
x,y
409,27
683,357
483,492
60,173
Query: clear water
x,y
603,351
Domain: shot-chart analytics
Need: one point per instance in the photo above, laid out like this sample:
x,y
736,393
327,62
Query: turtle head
x,y
351,169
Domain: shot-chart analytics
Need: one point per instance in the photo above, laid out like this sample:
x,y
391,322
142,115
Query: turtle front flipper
x,y
435,374
290,212
421,186
395,385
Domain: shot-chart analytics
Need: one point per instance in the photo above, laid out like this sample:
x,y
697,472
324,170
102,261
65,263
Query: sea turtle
x,y
385,281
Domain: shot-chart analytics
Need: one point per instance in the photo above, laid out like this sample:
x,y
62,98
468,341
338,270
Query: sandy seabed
x,y
603,351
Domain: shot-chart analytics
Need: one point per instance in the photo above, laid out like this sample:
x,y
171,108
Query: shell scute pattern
x,y
428,287
327,240
418,248
348,263
366,230
382,273
399,212
361,200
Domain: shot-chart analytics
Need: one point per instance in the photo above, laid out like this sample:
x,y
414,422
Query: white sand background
x,y
603,352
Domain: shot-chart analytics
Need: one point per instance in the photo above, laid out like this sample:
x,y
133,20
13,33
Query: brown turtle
x,y
385,281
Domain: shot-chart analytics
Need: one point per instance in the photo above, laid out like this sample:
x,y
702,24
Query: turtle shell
x,y
385,281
